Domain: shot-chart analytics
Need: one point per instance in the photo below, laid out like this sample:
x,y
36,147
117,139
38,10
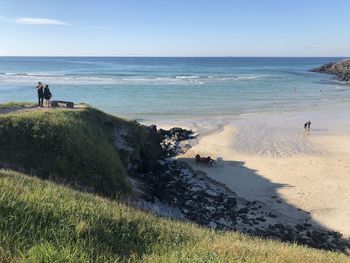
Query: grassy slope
x,y
45,222
72,147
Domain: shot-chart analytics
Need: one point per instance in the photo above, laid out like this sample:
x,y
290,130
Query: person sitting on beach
x,y
47,95
204,160
208,160
40,89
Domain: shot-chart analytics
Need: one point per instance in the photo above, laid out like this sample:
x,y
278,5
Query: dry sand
x,y
270,159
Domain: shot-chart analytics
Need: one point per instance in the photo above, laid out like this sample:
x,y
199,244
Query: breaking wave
x,y
59,78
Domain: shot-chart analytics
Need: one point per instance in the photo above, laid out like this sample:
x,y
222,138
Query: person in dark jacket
x,y
308,125
40,89
47,95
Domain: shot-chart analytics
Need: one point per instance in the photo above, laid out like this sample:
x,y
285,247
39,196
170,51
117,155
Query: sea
x,y
146,88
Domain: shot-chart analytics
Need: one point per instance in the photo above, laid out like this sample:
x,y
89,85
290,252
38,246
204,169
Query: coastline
x,y
269,159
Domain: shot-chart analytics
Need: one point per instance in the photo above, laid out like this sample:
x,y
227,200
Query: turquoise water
x,y
146,88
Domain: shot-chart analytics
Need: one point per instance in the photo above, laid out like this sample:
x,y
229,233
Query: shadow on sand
x,y
263,212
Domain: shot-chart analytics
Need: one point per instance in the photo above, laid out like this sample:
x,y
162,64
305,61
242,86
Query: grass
x,y
16,105
71,147
75,147
45,222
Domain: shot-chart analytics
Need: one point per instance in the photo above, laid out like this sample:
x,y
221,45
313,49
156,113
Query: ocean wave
x,y
31,74
187,77
225,77
14,74
104,78
248,114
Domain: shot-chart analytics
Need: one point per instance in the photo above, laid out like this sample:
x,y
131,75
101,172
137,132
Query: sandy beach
x,y
269,158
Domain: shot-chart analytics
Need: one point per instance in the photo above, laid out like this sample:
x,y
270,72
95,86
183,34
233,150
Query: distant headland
x,y
341,69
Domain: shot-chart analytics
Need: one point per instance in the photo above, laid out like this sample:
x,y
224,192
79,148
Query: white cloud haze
x,y
39,21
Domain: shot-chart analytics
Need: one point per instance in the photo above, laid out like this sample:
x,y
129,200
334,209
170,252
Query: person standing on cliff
x,y
47,95
40,89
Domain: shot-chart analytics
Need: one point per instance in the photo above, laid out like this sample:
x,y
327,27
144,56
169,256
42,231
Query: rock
x,y
261,219
180,134
153,128
220,198
232,214
243,217
243,210
271,215
171,140
306,225
211,209
211,193
57,103
231,201
164,133
212,224
299,227
289,235
341,69
317,237
188,202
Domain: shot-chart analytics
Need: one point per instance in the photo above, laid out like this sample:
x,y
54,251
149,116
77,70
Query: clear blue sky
x,y
175,28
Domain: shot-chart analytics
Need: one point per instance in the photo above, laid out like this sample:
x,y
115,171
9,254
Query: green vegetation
x,y
72,147
42,221
16,105
45,222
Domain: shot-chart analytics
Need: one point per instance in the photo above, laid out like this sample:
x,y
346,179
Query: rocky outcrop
x,y
173,140
340,69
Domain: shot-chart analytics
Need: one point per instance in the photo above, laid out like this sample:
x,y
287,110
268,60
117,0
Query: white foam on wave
x,y
241,77
31,74
249,77
60,78
187,77
9,73
248,114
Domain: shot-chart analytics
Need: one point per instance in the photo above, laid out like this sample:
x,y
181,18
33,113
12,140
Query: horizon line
x,y
128,56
